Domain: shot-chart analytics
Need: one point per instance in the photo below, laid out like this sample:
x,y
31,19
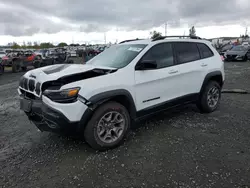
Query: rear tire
x,y
108,126
1,69
24,68
209,98
16,66
244,59
37,64
70,62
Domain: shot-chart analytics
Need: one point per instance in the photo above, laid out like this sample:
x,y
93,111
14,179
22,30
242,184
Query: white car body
x,y
145,89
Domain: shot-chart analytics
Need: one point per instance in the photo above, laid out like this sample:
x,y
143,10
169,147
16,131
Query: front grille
x,y
25,83
21,82
27,94
32,85
38,90
231,56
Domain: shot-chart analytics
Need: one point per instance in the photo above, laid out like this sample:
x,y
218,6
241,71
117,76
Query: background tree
x,y
244,36
46,45
24,45
62,44
155,34
192,31
15,45
35,45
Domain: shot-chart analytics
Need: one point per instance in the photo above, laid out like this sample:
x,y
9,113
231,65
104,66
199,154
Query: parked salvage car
x,y
42,53
20,60
102,99
238,53
58,56
225,48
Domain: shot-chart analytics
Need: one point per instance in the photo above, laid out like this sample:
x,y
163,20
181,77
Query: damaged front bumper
x,y
49,119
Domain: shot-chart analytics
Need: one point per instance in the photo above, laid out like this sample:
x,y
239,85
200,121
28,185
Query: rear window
x,y
205,50
186,52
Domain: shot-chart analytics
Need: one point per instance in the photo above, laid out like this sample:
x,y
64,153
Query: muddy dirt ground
x,y
181,148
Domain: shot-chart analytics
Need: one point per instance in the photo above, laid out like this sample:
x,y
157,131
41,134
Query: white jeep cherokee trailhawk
x,y
123,84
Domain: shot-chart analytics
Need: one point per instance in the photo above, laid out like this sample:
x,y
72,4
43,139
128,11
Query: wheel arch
x,y
121,96
215,76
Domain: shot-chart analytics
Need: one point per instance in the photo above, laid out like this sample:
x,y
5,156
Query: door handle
x,y
173,71
203,64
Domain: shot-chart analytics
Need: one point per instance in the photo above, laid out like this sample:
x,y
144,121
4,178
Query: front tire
x,y
209,97
108,126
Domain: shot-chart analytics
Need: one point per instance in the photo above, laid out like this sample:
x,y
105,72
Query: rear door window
x,y
186,52
205,50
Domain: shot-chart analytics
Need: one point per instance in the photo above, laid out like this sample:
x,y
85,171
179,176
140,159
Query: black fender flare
x,y
209,76
107,95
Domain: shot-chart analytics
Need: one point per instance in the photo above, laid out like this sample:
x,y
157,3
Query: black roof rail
x,y
180,36
130,40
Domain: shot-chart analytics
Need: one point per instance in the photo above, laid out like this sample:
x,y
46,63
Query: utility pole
x,y
246,31
166,28
105,38
116,35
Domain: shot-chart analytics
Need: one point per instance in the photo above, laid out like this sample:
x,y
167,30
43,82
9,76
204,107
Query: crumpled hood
x,y
55,72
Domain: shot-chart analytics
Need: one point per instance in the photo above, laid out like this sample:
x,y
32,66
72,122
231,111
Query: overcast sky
x,y
88,20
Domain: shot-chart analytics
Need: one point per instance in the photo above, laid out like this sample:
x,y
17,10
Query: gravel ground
x,y
181,148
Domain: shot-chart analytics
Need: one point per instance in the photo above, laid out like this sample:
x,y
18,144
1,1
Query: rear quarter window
x,y
205,51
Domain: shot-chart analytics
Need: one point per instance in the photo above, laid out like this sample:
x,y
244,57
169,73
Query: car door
x,y
156,86
206,62
190,66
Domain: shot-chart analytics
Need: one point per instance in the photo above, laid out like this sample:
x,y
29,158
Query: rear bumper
x,y
49,119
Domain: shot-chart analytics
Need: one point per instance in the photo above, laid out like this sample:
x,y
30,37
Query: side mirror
x,y
146,65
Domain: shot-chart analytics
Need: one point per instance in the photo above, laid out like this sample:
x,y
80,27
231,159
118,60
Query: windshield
x,y
117,56
239,48
227,47
2,53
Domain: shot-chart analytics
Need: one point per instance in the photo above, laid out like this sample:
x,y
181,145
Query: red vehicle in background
x,y
20,60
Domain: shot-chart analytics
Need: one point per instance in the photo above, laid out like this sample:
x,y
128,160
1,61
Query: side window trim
x,y
173,52
176,57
